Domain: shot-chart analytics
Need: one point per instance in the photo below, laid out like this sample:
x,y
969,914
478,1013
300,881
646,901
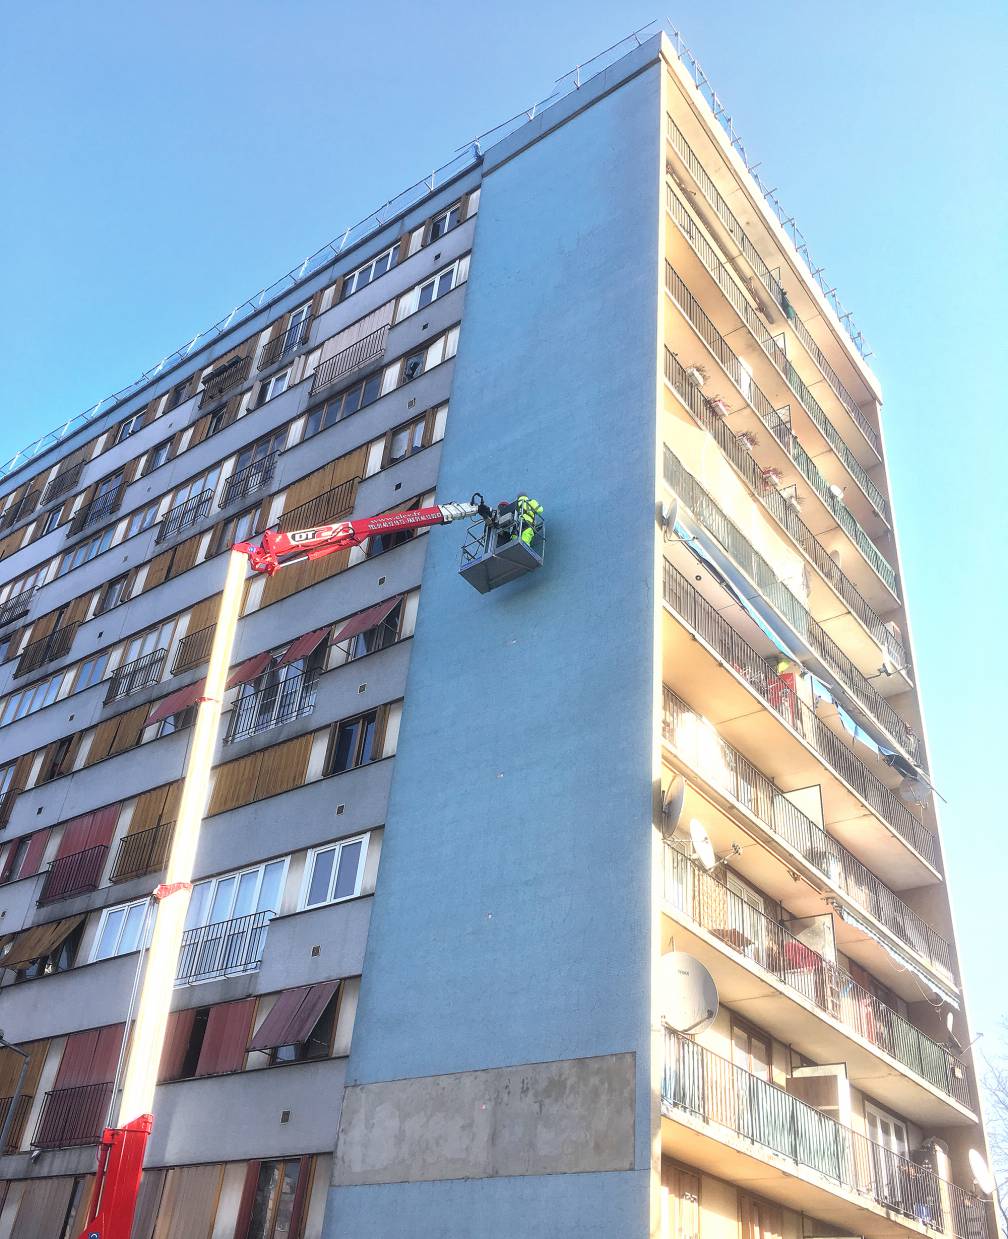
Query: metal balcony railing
x,y
182,515
140,673
223,948
286,344
726,768
25,506
784,513
272,705
146,851
786,603
761,333
770,282
46,649
221,381
99,507
248,480
776,425
751,934
716,1091
72,1116
74,874
22,1107
193,649
698,613
16,608
63,482
366,349
323,509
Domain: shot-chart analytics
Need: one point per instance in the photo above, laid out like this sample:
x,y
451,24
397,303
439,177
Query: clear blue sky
x,y
163,162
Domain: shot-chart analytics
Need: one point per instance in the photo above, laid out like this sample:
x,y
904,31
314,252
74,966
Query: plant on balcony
x,y
749,439
719,405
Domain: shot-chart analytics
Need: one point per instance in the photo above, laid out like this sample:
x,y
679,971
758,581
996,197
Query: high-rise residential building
x,y
452,837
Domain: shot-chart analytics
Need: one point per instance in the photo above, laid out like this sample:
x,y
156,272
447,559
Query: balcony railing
x,y
716,1091
221,381
46,649
784,513
324,508
25,506
751,934
140,673
787,604
16,608
99,507
22,1108
248,480
223,949
708,256
768,279
724,767
270,706
182,515
782,699
285,344
146,851
193,649
72,1116
62,483
74,874
366,349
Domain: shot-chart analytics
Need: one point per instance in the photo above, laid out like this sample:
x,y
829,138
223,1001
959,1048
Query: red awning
x,y
174,702
293,1016
364,620
249,669
301,648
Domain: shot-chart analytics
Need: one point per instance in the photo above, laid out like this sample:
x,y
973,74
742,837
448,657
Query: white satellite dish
x,y
702,845
673,798
689,995
981,1172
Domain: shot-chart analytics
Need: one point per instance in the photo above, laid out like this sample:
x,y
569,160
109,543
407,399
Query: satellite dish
x,y
669,514
689,995
702,845
673,799
913,791
981,1172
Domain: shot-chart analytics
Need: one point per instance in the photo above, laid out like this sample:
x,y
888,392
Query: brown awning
x,y
182,699
249,669
364,620
40,940
293,1016
304,646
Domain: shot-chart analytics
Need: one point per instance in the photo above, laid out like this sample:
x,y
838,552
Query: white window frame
x,y
39,694
238,874
338,846
409,303
125,908
392,253
269,385
128,427
103,657
446,216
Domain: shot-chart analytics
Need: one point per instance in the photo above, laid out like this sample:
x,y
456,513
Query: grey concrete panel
x,y
427,324
339,930
561,1117
48,1164
66,1001
17,903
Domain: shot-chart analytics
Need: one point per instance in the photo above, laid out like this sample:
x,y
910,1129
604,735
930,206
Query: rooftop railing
x,y
286,344
184,514
718,1092
713,628
145,851
140,673
776,591
366,349
72,1116
223,948
74,874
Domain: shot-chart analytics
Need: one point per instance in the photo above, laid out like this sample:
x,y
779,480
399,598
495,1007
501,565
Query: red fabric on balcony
x,y
293,1016
89,830
182,699
250,669
798,956
304,646
364,620
89,1057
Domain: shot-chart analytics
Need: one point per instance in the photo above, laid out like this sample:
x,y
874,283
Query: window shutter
x,y
189,1202
101,741
75,835
90,1057
247,1199
148,1203
284,766
43,1207
203,614
128,729
176,1042
10,1068
235,783
35,852
184,556
306,1170
157,570
227,1035
381,726
160,804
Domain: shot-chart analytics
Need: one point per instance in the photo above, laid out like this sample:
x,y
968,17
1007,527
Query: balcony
x,y
366,349
222,380
101,506
770,282
323,509
62,483
787,605
46,650
74,874
193,649
270,706
223,949
783,512
773,351
16,608
768,1124
285,345
182,515
25,506
72,1116
726,769
755,672
140,673
22,1108
763,946
248,480
146,851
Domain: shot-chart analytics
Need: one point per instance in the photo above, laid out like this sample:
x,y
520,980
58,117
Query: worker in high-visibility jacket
x,y
529,510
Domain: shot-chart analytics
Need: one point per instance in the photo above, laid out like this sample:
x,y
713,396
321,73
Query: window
x,y
277,1201
335,873
90,671
84,552
342,405
405,441
413,365
181,721
353,743
377,637
142,519
274,386
60,759
108,486
59,959
433,288
280,694
159,638
178,393
196,486
120,929
157,457
26,582
259,889
112,593
50,522
363,276
31,698
130,426
13,866
219,419
446,221
418,362
751,1050
379,543
240,528
261,449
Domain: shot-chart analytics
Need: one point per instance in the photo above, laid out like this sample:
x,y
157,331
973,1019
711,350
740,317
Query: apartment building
x,y
421,984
